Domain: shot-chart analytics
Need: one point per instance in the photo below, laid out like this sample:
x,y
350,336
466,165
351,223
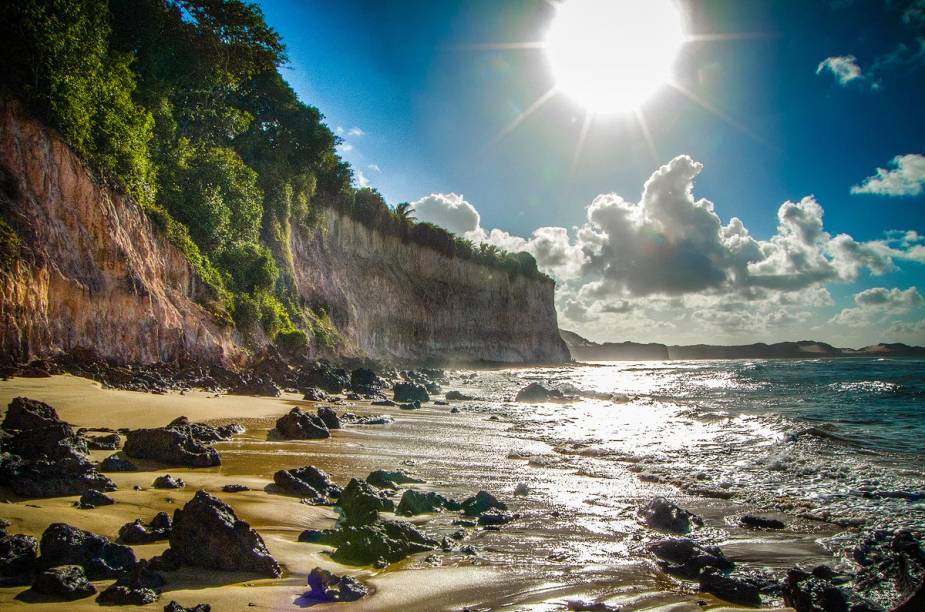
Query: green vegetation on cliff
x,y
181,103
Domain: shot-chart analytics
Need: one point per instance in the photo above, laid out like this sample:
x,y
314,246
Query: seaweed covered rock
x,y
62,544
685,558
307,481
325,586
174,444
18,558
25,413
664,515
414,502
299,425
480,502
380,542
361,503
384,479
64,582
208,533
410,392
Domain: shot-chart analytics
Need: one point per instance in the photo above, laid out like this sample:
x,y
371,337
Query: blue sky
x,y
430,102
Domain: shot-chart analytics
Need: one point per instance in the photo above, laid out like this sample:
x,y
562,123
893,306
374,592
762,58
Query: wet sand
x,y
553,554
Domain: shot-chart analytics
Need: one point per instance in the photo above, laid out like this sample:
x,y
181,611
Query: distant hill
x,y
583,349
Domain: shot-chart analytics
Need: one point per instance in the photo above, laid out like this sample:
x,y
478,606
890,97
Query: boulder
x,y
364,380
381,542
685,558
382,419
207,434
24,413
235,488
137,587
480,502
174,445
328,417
760,522
456,395
56,441
410,392
535,392
664,515
324,376
813,592
734,589
307,481
495,518
361,503
104,442
138,533
65,545
414,502
117,463
313,394
93,498
298,425
259,385
889,559
64,582
18,558
45,477
415,405
168,482
325,586
390,480
331,537
173,606
207,533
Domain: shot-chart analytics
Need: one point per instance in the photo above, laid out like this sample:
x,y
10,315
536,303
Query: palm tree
x,y
405,213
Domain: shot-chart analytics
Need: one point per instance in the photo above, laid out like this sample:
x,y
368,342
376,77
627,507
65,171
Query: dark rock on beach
x,y
417,502
361,503
47,477
814,591
137,533
325,377
760,522
685,558
480,502
174,444
138,587
456,395
173,606
735,589
329,417
535,392
18,558
494,517
384,479
117,463
364,380
298,425
64,582
65,545
93,498
664,515
207,434
259,385
410,392
380,542
325,586
104,442
168,482
24,413
308,481
235,488
313,394
208,533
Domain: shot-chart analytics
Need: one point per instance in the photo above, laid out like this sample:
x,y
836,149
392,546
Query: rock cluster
x,y
325,586
176,444
299,425
309,482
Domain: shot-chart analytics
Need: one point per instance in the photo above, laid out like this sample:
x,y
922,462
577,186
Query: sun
x,y
610,56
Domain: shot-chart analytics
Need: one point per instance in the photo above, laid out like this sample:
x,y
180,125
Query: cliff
x,y
93,273
400,301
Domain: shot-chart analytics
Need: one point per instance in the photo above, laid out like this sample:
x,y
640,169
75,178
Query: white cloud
x,y
669,261
355,131
344,147
374,168
362,181
448,210
906,178
844,68
878,303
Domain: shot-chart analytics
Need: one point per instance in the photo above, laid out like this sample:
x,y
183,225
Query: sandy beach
x,y
542,561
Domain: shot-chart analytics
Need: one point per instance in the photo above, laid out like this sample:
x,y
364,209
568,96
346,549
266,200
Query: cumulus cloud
x,y
878,303
905,178
448,210
844,68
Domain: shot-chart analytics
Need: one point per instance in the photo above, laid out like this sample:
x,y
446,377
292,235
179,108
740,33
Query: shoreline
x,y
452,452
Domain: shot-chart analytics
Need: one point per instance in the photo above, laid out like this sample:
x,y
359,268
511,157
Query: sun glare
x,y
612,55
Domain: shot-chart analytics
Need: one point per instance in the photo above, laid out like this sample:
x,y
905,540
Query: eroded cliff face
x,y
396,301
95,275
